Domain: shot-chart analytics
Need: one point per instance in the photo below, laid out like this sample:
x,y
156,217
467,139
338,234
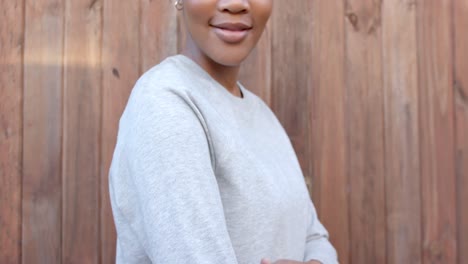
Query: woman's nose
x,y
234,6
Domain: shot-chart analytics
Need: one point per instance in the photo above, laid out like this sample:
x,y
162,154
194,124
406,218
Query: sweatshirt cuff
x,y
322,251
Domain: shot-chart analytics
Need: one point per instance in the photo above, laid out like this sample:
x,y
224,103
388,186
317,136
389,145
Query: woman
x,y
203,172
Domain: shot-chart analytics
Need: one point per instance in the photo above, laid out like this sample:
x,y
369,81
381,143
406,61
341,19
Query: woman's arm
x,y
179,215
318,250
318,247
285,261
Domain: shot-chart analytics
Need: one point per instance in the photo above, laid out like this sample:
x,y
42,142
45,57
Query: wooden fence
x,y
373,94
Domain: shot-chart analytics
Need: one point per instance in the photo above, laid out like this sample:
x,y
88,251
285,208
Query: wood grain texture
x,y
365,131
42,184
291,77
402,172
436,130
81,132
460,22
373,94
120,68
11,119
158,32
327,120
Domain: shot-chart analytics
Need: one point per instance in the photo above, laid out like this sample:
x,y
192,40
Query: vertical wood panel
x,y
461,119
80,158
364,115
120,69
402,183
327,122
11,118
290,77
42,125
376,108
158,32
436,131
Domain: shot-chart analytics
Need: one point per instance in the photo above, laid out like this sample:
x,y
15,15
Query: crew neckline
x,y
198,69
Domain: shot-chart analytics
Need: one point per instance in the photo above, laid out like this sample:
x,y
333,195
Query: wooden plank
x,y
307,97
255,72
291,78
158,32
41,239
11,118
81,132
461,119
120,69
402,184
436,131
365,148
327,120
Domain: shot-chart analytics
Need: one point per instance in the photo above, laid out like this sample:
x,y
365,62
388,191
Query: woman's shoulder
x,y
162,77
158,107
162,86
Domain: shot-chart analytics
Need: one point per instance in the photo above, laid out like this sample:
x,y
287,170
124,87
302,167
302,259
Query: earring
x,y
178,4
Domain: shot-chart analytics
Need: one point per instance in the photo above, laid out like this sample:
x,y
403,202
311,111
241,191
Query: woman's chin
x,y
231,59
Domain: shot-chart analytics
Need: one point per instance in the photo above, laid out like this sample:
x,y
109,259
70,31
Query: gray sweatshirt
x,y
202,176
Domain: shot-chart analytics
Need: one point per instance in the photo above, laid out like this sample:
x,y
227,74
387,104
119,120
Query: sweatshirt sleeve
x,y
179,216
318,247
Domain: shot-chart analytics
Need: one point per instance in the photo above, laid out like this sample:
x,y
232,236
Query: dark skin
x,y
219,51
221,34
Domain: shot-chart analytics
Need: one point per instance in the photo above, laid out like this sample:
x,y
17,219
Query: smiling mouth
x,y
232,33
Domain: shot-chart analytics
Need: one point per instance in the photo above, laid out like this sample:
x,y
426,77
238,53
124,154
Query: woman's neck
x,y
226,75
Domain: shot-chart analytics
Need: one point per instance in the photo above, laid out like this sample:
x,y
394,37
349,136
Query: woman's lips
x,y
231,36
232,33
